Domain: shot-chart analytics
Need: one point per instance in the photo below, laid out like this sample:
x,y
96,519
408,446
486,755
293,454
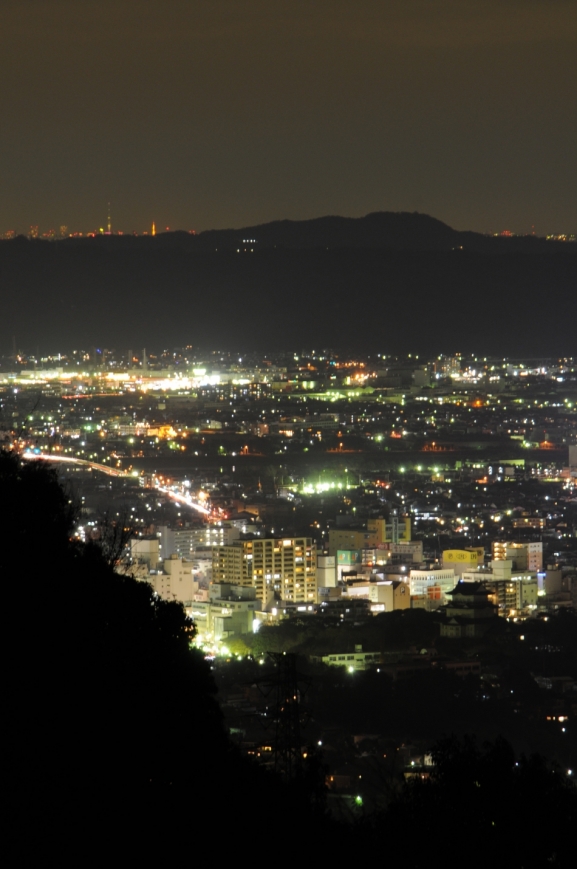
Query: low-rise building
x,y
176,580
396,529
431,584
229,611
514,591
460,560
385,595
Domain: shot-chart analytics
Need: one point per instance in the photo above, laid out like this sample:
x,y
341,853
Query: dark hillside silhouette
x,y
113,738
477,807
103,688
124,292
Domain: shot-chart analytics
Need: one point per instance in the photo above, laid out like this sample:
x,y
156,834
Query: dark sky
x,y
233,112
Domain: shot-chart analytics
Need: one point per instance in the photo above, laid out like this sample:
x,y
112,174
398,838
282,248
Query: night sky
x,y
234,112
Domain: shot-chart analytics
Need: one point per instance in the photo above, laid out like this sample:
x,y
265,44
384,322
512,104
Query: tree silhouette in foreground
x,y
113,729
107,703
111,720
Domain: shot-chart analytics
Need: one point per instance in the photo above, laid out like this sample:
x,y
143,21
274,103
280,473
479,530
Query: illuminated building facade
x,y
525,556
430,585
229,611
279,569
461,560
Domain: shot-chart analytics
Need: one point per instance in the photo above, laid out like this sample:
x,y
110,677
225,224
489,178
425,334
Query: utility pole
x,y
285,687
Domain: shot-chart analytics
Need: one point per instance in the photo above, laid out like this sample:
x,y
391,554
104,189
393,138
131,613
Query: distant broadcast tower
x,y
109,221
153,229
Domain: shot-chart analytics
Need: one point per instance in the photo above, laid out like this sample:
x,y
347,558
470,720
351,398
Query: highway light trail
x,y
112,472
183,499
172,493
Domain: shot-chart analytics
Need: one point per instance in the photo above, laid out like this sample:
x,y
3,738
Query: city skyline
x,y
106,227
63,231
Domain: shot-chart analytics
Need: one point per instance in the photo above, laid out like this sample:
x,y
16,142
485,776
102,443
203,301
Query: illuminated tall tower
x,y
109,221
153,229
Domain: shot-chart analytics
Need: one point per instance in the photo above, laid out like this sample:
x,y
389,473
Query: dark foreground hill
x,y
391,283
113,738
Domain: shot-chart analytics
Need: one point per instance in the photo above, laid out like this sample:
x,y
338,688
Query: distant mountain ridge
x,y
388,230
394,282
380,230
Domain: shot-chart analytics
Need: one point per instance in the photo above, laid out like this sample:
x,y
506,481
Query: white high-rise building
x,y
280,569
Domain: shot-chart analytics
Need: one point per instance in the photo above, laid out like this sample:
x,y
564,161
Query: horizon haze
x,y
230,114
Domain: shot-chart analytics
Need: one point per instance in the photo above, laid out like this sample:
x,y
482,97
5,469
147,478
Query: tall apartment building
x,y
525,556
230,564
277,568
